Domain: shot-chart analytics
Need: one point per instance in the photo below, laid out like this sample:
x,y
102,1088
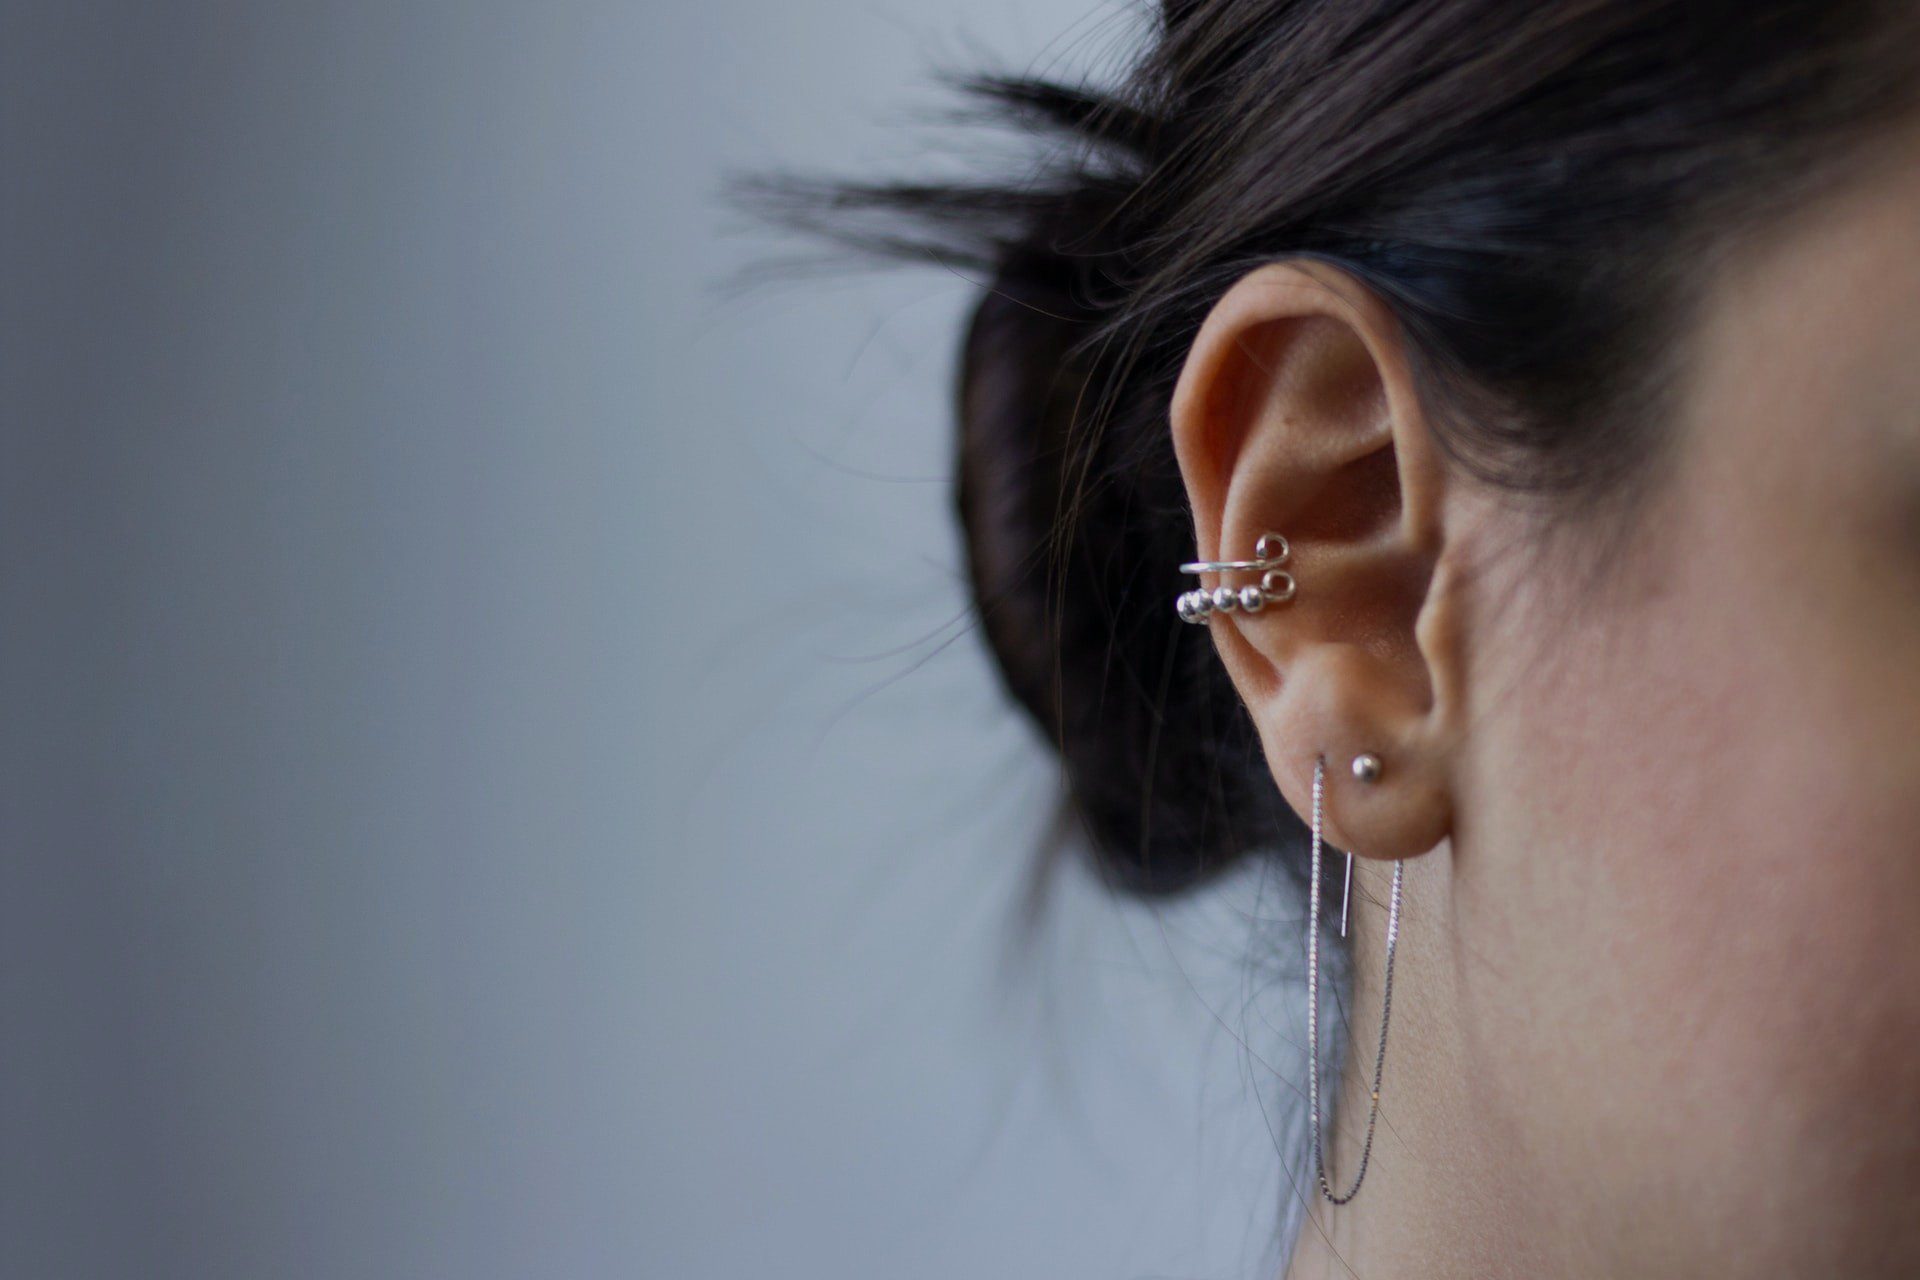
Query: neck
x,y
1442,1196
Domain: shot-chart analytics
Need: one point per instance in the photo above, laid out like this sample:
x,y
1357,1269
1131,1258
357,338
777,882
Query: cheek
x,y
1819,811
1702,853
1788,693
1693,860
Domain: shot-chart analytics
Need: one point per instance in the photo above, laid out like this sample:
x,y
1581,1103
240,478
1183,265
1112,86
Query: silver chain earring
x,y
1367,769
1276,585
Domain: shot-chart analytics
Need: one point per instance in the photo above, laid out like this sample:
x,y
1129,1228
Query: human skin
x,y
1654,770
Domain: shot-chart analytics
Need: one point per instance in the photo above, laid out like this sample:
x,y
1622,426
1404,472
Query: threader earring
x,y
1367,769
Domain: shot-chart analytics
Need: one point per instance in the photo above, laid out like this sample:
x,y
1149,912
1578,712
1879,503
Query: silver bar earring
x,y
1346,895
1366,767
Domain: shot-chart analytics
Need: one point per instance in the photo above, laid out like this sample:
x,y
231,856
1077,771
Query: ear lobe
x,y
1296,413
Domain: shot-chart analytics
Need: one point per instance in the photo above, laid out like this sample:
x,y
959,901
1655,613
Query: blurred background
x,y
499,779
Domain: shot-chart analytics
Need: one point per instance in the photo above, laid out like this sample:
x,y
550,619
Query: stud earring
x,y
1313,996
1276,585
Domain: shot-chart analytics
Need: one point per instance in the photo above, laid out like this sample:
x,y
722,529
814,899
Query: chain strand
x,y
1313,1003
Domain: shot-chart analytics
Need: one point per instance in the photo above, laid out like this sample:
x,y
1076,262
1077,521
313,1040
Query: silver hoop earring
x,y
1313,997
1276,585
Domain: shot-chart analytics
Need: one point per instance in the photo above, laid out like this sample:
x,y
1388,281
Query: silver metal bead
x,y
1184,607
1366,767
1252,600
1224,599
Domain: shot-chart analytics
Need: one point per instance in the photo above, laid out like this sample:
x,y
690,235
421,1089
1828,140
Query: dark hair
x,y
1531,186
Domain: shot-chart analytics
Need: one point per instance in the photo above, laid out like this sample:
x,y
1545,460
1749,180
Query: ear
x,y
1296,413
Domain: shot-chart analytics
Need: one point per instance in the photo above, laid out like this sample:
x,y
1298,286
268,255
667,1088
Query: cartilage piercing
x,y
1276,585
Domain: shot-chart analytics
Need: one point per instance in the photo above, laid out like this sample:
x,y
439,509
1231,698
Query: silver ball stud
x,y
1252,600
1366,767
1225,599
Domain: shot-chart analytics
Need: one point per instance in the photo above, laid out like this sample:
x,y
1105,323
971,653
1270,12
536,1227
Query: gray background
x,y
497,777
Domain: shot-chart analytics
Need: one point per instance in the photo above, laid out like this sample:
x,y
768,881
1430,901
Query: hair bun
x,y
1073,539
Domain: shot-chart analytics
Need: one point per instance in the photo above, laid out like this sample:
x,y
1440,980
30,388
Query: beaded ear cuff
x,y
1276,585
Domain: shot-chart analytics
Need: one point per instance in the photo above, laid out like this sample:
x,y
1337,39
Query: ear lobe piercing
x,y
1276,585
1366,767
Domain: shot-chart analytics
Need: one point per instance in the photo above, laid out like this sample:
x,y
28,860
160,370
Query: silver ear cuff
x,y
1276,585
